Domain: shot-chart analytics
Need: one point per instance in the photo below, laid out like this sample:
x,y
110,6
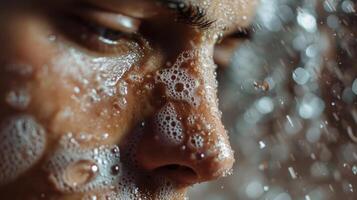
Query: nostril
x,y
180,174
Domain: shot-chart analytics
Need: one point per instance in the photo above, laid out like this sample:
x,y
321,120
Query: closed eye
x,y
100,31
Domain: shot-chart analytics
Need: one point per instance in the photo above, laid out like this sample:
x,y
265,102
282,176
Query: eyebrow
x,y
188,13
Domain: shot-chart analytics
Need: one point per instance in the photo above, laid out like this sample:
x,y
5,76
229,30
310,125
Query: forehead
x,y
236,13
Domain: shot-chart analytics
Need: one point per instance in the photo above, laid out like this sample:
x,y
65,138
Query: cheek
x,y
65,89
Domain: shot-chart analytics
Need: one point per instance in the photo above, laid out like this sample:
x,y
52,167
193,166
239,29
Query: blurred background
x,y
289,103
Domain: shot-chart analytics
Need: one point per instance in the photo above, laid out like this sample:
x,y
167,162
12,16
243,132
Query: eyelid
x,y
111,20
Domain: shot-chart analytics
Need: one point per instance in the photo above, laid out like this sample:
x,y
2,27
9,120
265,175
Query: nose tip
x,y
185,152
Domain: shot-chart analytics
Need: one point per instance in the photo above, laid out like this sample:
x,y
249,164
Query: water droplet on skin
x,y
115,150
76,90
142,124
200,156
84,137
80,173
115,170
104,136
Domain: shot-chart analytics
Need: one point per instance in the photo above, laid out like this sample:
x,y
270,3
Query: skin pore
x,y
112,99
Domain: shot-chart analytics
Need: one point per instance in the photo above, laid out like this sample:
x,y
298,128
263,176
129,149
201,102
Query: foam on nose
x,y
196,141
180,84
22,143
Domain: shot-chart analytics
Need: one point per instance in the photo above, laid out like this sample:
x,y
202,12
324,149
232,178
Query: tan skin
x,y
110,88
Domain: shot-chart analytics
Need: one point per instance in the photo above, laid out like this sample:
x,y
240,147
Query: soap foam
x,y
18,98
196,141
22,143
73,169
168,126
180,85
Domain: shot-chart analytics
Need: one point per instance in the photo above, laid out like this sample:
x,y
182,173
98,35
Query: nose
x,y
185,139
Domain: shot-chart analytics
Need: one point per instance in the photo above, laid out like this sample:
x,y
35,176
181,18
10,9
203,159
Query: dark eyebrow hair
x,y
187,13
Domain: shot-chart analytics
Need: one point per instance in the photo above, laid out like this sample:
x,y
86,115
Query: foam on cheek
x,y
73,169
180,85
21,69
22,143
96,79
18,98
168,126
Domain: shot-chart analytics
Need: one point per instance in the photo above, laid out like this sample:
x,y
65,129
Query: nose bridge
x,y
187,129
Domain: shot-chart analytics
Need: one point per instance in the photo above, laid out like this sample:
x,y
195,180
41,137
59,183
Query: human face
x,y
112,99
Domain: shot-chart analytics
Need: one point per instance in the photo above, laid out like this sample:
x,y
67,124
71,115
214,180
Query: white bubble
x,y
348,6
265,105
330,5
333,22
307,21
313,134
311,106
319,170
254,189
301,76
312,51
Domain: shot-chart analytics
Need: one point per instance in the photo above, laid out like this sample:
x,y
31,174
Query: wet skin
x,y
87,76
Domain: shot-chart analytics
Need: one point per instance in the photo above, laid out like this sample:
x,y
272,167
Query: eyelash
x,y
190,14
